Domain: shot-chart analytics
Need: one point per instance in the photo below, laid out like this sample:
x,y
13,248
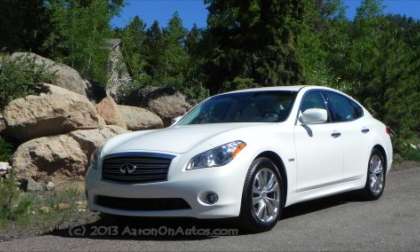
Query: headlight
x,y
218,156
94,158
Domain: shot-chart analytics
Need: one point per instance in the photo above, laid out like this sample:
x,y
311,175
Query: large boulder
x,y
118,76
109,111
56,112
139,118
55,158
89,140
65,76
168,105
59,158
167,102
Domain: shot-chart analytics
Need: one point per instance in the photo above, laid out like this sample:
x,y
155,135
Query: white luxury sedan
x,y
245,154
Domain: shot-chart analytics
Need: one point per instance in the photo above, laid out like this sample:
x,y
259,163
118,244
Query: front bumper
x,y
227,182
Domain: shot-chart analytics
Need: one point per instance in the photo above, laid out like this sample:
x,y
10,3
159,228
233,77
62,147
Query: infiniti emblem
x,y
128,168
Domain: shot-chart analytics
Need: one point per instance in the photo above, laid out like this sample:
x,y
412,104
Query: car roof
x,y
295,88
276,88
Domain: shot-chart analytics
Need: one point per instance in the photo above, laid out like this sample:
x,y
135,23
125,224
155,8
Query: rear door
x,y
319,156
348,118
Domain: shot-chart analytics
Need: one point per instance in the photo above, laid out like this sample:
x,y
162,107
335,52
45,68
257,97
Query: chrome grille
x,y
136,167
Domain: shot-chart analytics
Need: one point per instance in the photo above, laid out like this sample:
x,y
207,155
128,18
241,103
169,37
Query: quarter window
x,y
342,108
357,109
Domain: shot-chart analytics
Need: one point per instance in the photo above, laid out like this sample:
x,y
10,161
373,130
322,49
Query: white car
x,y
245,154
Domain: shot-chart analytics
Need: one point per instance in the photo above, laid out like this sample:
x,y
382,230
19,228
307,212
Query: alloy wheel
x,y
376,175
265,195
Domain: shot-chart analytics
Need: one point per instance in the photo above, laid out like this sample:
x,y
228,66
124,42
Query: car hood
x,y
176,139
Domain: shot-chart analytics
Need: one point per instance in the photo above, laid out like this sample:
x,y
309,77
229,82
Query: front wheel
x,y
261,202
375,182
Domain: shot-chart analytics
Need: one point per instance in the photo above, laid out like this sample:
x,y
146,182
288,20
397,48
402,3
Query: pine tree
x,y
154,45
166,54
382,70
369,9
196,48
193,40
174,56
253,43
321,39
24,25
133,38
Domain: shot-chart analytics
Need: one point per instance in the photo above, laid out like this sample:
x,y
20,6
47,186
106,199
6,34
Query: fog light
x,y
212,198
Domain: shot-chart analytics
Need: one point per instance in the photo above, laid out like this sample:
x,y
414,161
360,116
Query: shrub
x,y
6,150
21,77
408,149
13,205
411,154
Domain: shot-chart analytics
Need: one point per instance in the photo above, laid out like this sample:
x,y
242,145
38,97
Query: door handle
x,y
365,130
336,134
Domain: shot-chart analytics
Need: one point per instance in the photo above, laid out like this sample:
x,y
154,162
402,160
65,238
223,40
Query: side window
x,y
342,109
312,99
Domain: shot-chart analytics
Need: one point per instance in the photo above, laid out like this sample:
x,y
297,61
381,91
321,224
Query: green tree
x,y
154,45
373,57
80,30
196,47
321,35
175,57
253,43
166,55
381,69
24,25
169,56
369,10
193,40
133,38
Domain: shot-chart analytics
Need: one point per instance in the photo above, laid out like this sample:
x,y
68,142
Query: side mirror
x,y
176,119
314,116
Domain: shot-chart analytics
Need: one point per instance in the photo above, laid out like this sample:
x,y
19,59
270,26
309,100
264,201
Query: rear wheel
x,y
261,202
375,182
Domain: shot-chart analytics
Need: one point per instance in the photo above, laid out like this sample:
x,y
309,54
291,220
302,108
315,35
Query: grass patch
x,y
25,214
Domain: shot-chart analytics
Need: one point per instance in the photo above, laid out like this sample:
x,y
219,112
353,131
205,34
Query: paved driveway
x,y
336,223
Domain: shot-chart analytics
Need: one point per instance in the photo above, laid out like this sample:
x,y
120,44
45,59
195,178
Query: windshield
x,y
261,106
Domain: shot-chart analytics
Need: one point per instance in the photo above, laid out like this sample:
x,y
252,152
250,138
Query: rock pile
x,y
59,129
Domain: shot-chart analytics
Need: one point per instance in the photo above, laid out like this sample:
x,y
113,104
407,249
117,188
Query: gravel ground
x,y
336,223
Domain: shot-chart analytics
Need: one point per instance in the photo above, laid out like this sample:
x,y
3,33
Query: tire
x,y
376,176
261,200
